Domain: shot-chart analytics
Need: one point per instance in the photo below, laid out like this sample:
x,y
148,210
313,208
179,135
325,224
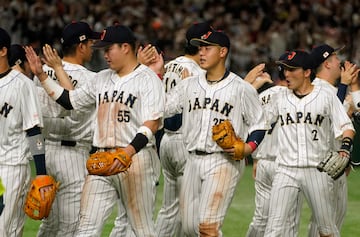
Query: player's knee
x,y
209,229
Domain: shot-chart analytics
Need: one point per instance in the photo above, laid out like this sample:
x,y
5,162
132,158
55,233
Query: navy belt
x,y
202,153
68,143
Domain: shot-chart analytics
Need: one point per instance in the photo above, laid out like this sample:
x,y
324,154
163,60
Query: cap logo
x,y
103,35
291,55
326,54
205,36
82,37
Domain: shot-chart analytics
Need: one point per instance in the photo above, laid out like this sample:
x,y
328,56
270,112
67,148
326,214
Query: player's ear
x,y
223,51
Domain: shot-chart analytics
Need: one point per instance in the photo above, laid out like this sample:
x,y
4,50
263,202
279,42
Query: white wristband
x,y
52,88
356,98
146,131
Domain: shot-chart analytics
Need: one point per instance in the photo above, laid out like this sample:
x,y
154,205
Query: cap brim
x,y
339,49
287,65
200,42
101,44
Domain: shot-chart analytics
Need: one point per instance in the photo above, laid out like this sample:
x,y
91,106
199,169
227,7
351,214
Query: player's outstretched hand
x,y
146,54
349,72
255,73
261,80
34,61
51,57
157,64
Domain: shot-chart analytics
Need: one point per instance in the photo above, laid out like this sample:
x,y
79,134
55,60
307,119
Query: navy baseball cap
x,y
296,59
321,52
17,54
77,32
115,34
196,30
280,67
212,37
5,40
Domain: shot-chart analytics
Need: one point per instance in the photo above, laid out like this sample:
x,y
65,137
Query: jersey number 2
x,y
314,133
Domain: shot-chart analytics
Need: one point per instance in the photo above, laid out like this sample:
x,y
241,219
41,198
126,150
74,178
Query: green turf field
x,y
242,207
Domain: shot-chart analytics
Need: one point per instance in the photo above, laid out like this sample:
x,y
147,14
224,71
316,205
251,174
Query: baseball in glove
x,y
99,163
224,135
36,207
333,164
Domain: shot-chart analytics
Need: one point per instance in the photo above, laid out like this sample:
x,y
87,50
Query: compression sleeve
x,y
341,93
58,93
37,149
255,138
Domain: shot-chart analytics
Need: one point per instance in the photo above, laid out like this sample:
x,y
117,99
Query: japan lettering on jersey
x,y
122,104
205,105
309,121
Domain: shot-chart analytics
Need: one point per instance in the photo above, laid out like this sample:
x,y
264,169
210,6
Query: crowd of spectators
x,y
260,30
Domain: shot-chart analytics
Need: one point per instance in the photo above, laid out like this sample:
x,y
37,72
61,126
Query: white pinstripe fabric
x,y
303,142
173,154
65,163
19,111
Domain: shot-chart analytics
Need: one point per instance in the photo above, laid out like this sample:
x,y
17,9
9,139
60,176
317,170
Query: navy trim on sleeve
x,y
64,100
256,136
173,123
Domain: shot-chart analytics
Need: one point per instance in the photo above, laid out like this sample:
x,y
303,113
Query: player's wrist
x,y
42,76
346,145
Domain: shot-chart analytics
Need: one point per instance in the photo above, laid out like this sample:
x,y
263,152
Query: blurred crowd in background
x,y
260,30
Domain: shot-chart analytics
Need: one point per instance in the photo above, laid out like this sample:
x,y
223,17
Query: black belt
x,y
202,153
95,149
68,143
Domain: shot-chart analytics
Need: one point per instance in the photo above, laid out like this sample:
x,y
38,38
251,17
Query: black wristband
x,y
346,145
139,142
40,164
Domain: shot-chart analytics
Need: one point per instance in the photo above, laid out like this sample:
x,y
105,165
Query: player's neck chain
x,y
227,72
5,73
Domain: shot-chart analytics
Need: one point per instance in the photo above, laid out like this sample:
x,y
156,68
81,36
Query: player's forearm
x,y
57,93
143,136
37,149
63,77
349,133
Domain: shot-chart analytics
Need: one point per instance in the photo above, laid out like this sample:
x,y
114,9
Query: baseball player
x,y
129,101
306,116
210,173
149,56
20,141
264,169
68,138
173,153
328,71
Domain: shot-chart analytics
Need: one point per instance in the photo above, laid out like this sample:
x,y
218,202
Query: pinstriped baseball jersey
x,y
19,111
333,89
175,68
308,121
268,147
66,163
122,104
339,185
78,125
207,105
173,154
